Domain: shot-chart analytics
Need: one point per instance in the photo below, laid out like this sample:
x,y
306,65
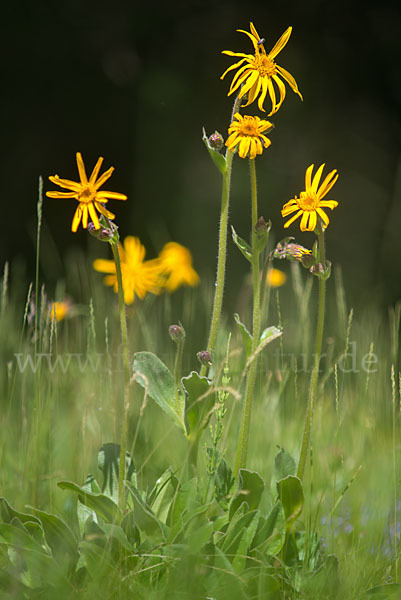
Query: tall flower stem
x,y
242,449
316,361
125,407
222,251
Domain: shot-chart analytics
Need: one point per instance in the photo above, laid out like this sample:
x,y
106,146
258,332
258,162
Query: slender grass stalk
x,y
316,362
125,407
394,442
242,449
222,251
4,287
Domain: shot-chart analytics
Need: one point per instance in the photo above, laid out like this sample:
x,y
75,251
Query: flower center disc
x,y
249,129
308,201
265,65
87,194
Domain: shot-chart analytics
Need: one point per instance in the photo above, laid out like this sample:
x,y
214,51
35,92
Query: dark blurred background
x,y
136,81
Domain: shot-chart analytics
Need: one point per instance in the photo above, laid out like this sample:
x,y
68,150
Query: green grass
x,y
53,424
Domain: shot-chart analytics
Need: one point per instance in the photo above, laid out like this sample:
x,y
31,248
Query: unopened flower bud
x,y
216,141
204,357
177,333
103,234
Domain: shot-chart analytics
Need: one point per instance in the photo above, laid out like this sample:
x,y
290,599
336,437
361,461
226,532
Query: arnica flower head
x,y
309,206
276,278
176,266
86,191
59,310
139,276
257,72
248,133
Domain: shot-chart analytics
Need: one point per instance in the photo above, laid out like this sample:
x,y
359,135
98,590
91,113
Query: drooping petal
x,y
312,220
272,95
280,44
239,78
282,90
84,215
252,38
103,211
234,66
77,218
323,216
304,221
289,79
263,95
289,208
93,215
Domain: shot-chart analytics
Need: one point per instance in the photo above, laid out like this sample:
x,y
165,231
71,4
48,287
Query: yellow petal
x,y
104,266
77,218
81,169
84,216
103,178
308,178
61,194
280,44
304,222
93,215
293,218
327,184
96,170
289,79
316,179
113,195
323,216
65,183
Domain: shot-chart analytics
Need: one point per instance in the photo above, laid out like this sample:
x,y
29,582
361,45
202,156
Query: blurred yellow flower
x,y
259,72
310,203
139,276
276,278
176,266
248,133
86,191
59,310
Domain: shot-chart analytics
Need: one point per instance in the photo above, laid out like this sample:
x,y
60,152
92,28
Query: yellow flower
x,y
87,193
176,265
59,310
248,133
276,278
259,72
139,276
310,203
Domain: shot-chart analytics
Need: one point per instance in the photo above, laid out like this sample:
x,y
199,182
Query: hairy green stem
x,y
125,407
177,374
242,449
316,362
222,251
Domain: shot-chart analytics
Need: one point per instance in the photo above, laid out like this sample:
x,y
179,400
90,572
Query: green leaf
x,y
223,479
284,465
58,536
103,506
145,519
385,591
7,513
161,494
199,402
245,335
268,335
108,460
238,527
250,490
270,536
292,497
242,245
218,159
159,383
83,512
